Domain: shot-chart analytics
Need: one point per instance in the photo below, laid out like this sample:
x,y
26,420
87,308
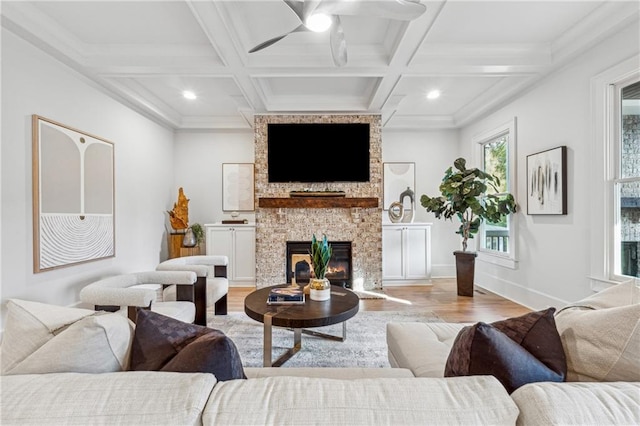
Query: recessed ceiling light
x,y
318,22
434,94
189,94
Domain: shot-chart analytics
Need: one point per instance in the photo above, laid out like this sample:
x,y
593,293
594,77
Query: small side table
x,y
189,251
177,250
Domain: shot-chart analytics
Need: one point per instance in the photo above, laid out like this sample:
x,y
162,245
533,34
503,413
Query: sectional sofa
x,y
600,336
67,366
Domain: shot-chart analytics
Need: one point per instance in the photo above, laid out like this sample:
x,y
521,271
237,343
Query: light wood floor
x,y
440,298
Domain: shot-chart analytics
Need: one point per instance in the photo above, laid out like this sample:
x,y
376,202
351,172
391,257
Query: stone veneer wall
x,y
361,226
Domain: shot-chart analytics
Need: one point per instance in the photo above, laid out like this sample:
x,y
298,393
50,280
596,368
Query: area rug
x,y
365,345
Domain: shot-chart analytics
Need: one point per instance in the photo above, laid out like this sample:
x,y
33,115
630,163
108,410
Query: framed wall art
x,y
237,187
73,196
547,182
397,177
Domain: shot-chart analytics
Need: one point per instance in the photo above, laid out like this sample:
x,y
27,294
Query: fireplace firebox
x,y
339,271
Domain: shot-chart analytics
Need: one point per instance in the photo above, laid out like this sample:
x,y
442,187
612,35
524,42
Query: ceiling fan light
x,y
434,94
318,22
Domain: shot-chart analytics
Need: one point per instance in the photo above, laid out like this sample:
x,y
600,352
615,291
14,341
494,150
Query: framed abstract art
x,y
547,182
237,187
73,196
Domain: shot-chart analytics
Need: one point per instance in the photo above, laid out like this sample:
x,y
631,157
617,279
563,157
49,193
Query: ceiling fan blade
x,y
404,10
297,7
338,43
278,38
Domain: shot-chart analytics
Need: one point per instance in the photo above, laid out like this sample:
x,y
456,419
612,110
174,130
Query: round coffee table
x,y
342,305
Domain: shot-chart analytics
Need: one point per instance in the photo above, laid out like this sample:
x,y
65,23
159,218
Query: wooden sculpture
x,y
179,216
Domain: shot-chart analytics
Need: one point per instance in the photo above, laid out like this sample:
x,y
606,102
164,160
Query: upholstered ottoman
x,y
421,347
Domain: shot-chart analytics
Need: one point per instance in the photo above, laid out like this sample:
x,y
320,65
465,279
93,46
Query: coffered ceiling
x,y
478,54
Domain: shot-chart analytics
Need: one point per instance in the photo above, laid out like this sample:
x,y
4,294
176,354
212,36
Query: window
x,y
626,180
494,162
497,157
610,186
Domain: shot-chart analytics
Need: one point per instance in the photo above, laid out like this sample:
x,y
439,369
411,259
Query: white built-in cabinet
x,y
406,253
238,243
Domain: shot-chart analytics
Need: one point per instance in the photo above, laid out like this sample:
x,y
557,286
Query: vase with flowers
x,y
319,286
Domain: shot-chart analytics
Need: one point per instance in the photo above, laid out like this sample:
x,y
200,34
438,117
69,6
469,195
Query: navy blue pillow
x,y
516,351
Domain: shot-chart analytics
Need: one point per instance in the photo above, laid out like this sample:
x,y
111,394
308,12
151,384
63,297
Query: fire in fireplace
x,y
339,271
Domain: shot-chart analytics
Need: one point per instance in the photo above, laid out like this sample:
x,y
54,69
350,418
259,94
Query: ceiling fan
x,y
320,15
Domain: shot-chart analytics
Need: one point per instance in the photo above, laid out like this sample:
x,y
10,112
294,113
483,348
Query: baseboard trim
x,y
406,283
527,297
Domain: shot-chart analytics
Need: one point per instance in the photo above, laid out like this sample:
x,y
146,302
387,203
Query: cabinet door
x,y
416,244
244,256
220,243
392,253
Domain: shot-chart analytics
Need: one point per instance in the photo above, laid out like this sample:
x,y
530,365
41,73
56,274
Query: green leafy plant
x,y
198,232
464,195
320,255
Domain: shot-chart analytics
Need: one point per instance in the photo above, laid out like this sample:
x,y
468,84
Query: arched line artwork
x,y
547,182
73,196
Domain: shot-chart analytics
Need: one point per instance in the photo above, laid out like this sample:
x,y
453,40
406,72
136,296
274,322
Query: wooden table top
x,y
342,305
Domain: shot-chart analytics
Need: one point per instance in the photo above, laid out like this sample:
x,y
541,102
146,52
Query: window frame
x,y
506,259
602,161
615,175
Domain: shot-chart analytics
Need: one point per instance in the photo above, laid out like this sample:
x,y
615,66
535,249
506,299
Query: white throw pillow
x,y
42,338
623,294
601,344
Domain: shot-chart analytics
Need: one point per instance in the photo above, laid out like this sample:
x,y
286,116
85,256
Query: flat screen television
x,y
318,152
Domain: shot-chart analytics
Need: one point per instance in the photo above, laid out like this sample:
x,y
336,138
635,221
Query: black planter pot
x,y
465,268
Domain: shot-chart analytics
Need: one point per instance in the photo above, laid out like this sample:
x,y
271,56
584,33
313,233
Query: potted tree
x,y
465,195
320,287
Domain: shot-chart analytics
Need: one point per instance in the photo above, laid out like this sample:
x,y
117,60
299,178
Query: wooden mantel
x,y
317,202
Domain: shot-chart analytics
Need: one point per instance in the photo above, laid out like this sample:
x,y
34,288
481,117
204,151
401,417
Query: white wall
x,y
198,163
34,83
553,250
433,152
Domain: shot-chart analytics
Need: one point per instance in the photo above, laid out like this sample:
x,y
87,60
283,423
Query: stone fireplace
x,y
357,218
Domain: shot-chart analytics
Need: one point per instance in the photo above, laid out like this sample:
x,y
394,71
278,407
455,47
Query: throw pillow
x,y
601,344
623,294
516,351
162,343
42,338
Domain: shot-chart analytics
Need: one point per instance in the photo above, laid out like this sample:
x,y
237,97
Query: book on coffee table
x,y
286,295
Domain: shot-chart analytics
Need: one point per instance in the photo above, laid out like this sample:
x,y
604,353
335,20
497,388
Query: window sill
x,y
496,259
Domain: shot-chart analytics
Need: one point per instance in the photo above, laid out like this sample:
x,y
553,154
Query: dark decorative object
x,y
464,195
302,273
516,351
162,343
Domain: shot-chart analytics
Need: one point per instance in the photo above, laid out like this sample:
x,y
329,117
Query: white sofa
x,y
332,396
71,366
601,340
